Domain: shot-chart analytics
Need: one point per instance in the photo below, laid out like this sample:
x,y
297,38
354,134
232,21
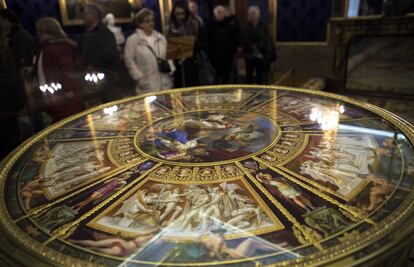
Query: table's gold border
x,y
27,248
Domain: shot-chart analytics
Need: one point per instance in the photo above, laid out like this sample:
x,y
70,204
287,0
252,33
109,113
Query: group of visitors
x,y
214,59
60,62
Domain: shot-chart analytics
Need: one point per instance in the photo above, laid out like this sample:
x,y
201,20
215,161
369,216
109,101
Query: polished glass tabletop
x,y
224,175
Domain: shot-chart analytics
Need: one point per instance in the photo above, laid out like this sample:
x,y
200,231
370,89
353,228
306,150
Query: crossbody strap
x,y
152,51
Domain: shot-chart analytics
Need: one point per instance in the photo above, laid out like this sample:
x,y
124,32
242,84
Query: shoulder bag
x,y
163,65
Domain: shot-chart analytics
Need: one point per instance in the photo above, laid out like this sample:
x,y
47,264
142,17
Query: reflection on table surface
x,y
233,175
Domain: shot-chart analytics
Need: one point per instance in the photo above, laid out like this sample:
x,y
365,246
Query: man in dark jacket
x,y
223,39
99,46
20,42
99,51
258,47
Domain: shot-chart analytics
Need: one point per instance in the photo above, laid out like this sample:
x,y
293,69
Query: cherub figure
x,y
242,217
30,189
41,154
244,136
379,191
215,121
169,200
218,248
116,246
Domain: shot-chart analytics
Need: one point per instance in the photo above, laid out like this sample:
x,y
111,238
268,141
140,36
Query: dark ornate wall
x,y
31,10
302,20
298,13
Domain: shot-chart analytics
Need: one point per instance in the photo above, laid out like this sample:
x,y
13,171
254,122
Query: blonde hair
x,y
142,15
51,27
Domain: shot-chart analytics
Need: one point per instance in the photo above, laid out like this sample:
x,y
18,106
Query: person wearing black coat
x,y
99,49
22,46
258,48
183,23
222,36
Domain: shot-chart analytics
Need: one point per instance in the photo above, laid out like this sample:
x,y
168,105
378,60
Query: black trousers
x,y
258,66
223,64
187,70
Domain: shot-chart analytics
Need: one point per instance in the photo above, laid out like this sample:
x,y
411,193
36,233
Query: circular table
x,y
222,175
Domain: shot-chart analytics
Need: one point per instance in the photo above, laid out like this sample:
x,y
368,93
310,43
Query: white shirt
x,y
150,39
40,73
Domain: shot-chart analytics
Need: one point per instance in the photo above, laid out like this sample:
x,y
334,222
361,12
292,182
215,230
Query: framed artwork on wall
x,y
3,4
361,8
71,10
339,8
352,8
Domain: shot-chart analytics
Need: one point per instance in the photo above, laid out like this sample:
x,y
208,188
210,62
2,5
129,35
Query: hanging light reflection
x,y
150,98
51,88
94,77
327,118
110,110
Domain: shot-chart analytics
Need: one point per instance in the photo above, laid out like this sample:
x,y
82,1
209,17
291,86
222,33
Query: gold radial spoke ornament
x,y
64,229
211,176
306,234
355,212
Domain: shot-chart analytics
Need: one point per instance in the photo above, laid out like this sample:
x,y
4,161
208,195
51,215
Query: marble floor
x,y
401,107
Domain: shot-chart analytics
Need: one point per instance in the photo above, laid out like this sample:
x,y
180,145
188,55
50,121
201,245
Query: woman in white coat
x,y
140,61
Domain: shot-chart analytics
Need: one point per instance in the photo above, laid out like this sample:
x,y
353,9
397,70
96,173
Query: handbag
x,y
207,73
163,65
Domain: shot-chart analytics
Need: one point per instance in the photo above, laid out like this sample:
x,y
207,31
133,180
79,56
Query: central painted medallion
x,y
207,136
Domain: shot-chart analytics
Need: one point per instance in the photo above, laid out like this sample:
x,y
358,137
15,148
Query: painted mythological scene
x,y
362,169
186,211
63,168
130,115
207,136
216,99
242,177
